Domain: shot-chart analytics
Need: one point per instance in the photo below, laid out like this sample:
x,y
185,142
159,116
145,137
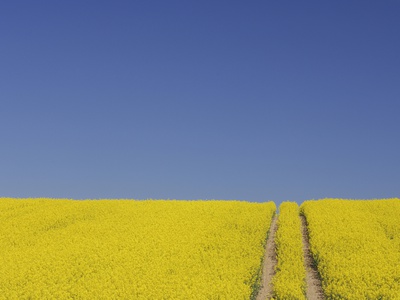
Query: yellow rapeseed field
x,y
289,280
125,249
356,245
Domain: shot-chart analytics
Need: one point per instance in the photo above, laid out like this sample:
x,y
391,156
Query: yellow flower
x,y
289,280
110,249
356,245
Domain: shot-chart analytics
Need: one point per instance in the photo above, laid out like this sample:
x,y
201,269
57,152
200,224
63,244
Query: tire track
x,y
269,263
314,287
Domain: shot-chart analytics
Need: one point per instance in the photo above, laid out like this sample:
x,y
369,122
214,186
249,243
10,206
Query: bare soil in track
x,y
314,289
269,263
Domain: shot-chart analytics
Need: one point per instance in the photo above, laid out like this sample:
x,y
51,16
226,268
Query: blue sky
x,y
257,101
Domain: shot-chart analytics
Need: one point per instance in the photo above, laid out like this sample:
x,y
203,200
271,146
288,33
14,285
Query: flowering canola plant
x,y
356,246
111,249
289,280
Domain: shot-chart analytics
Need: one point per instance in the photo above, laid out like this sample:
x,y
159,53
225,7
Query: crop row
x,y
356,247
289,279
64,249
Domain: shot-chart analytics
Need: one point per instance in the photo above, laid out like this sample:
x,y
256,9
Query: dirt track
x,y
269,264
314,289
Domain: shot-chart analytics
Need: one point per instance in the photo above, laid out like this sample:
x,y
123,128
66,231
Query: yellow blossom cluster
x,y
127,249
289,280
356,246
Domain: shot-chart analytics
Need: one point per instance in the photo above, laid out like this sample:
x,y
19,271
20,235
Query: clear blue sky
x,y
247,100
